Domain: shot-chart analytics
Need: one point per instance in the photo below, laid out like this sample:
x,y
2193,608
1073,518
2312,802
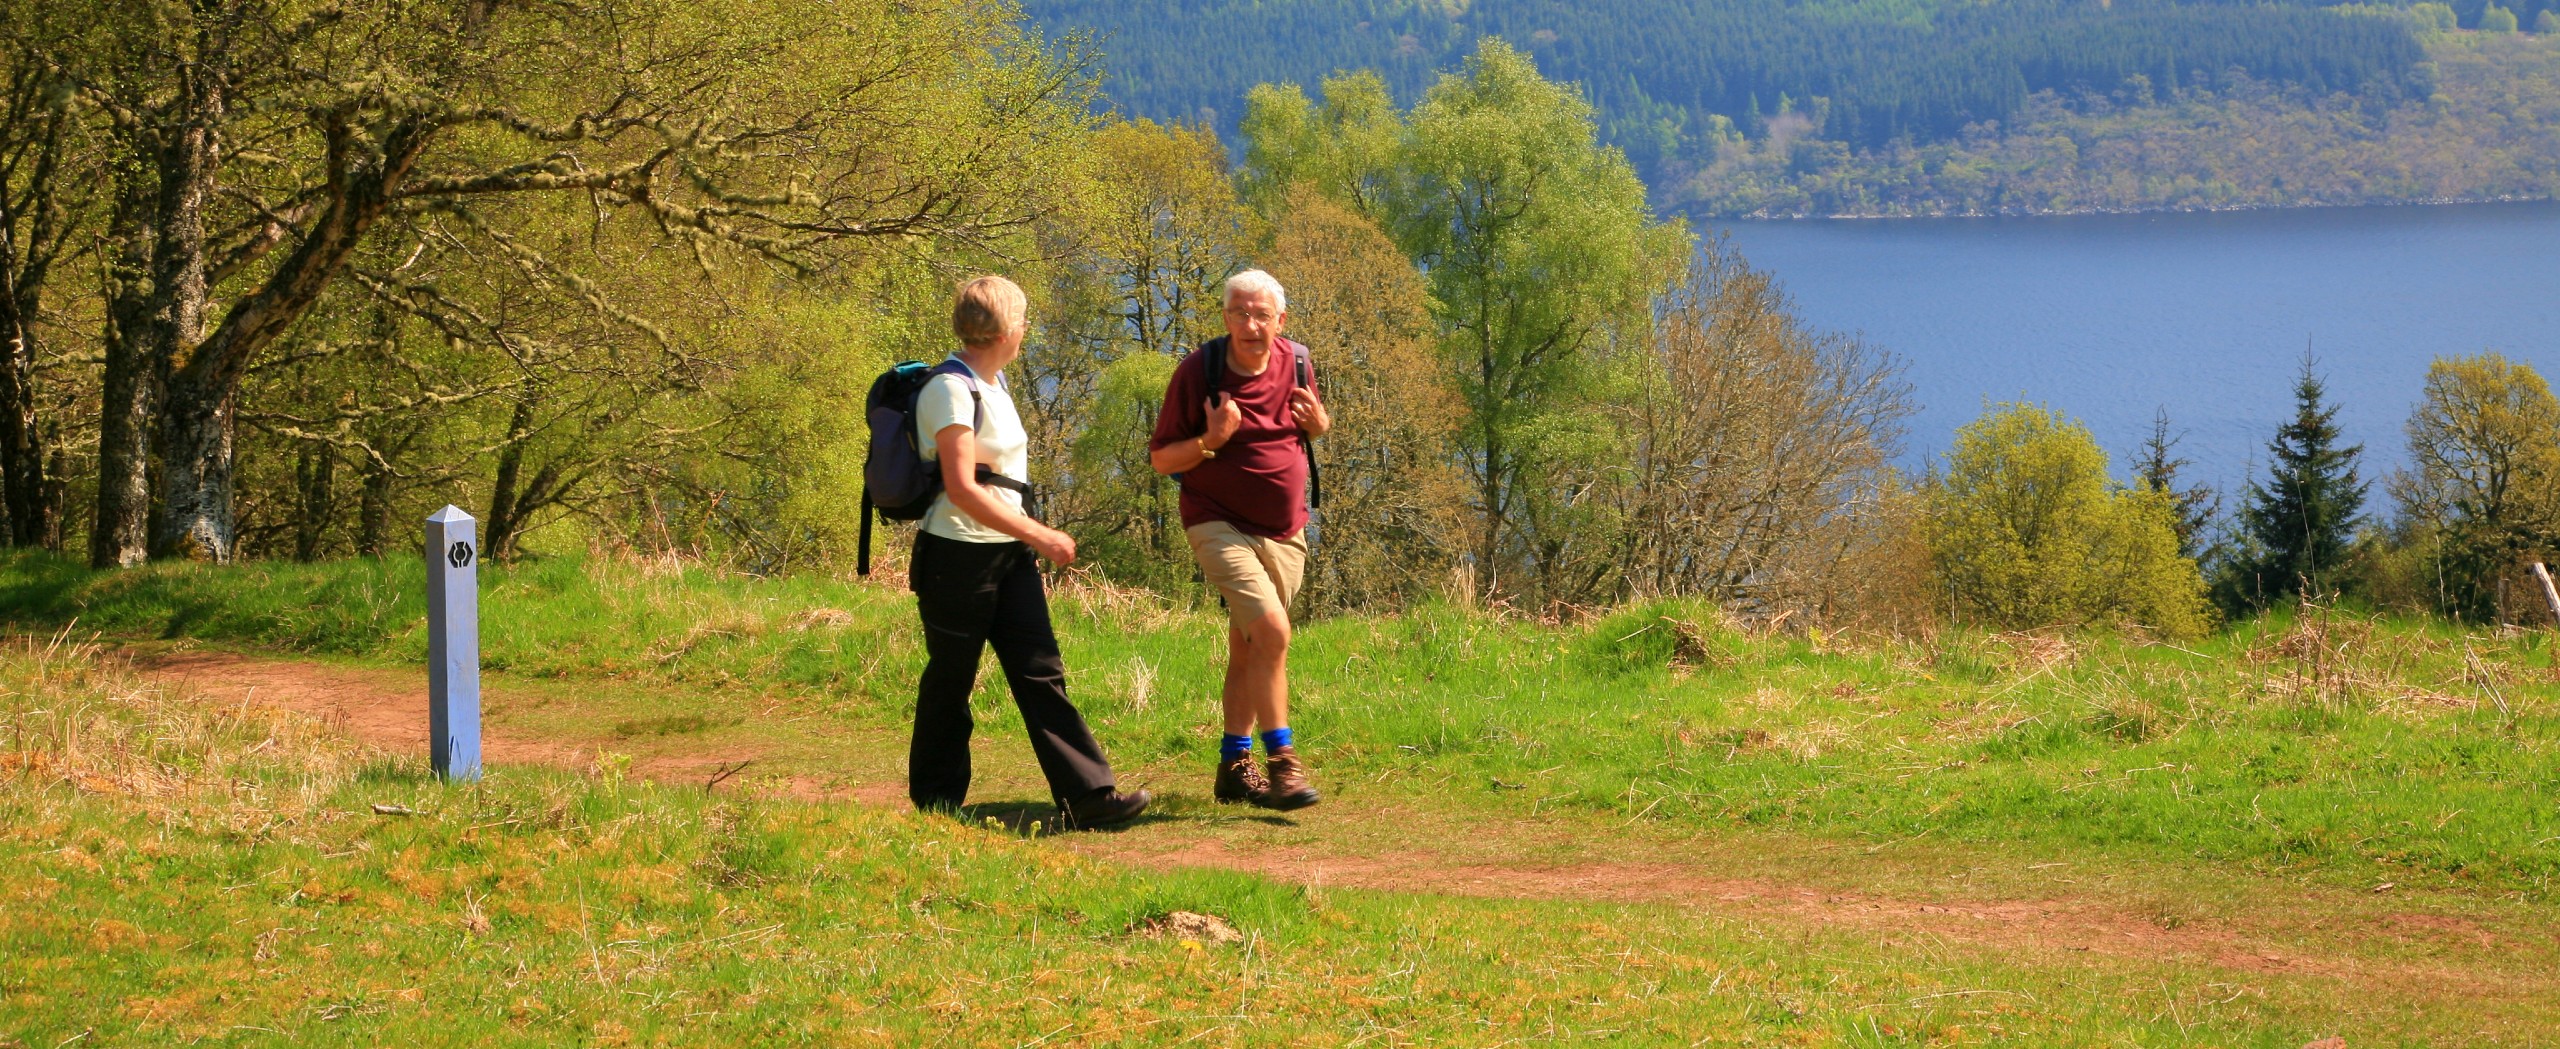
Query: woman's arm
x,y
957,446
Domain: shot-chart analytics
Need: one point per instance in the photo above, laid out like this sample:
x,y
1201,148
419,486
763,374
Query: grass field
x,y
177,872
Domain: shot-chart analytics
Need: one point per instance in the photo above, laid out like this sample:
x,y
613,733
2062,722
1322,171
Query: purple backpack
x,y
897,480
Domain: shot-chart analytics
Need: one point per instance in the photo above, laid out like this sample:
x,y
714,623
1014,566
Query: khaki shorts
x,y
1258,576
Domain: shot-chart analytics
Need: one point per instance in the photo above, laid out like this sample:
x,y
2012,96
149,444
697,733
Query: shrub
x,y
2026,530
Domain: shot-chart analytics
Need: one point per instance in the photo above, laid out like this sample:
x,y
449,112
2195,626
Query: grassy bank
x,y
2356,749
180,874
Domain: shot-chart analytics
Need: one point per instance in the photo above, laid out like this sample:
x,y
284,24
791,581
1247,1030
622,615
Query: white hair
x,y
1256,281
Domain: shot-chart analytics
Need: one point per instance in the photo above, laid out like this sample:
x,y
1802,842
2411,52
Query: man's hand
x,y
1053,544
1225,415
1310,413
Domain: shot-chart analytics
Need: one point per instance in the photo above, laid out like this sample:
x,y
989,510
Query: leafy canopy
x,y
2026,531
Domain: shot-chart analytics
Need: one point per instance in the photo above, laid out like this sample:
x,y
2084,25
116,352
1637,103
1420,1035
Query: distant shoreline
x,y
2067,212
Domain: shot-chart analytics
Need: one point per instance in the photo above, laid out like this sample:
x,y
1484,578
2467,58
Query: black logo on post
x,y
460,555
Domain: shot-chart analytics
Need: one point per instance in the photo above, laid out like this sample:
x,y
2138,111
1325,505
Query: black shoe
x,y
1102,808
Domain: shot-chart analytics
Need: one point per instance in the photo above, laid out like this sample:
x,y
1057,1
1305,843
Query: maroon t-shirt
x,y
1258,482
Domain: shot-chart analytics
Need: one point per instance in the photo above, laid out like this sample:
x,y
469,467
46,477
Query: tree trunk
x,y
314,476
57,494
196,521
159,312
33,229
381,486
22,448
130,393
373,515
506,502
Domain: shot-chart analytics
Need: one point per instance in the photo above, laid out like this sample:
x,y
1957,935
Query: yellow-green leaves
x,y
2026,531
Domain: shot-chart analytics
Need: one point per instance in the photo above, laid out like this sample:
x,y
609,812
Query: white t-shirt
x,y
1003,445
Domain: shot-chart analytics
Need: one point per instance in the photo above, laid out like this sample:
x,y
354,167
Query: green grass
x,y
2352,749
177,874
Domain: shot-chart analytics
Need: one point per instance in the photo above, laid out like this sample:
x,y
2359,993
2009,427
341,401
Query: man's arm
x,y
1223,417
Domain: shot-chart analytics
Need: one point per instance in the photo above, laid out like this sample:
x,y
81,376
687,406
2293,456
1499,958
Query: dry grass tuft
x,y
75,717
821,619
1189,927
2027,651
1100,600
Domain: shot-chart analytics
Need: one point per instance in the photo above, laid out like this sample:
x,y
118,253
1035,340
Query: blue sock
x,y
1232,747
1275,739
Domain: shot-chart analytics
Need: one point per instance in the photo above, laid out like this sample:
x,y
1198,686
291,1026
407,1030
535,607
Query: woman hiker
x,y
977,584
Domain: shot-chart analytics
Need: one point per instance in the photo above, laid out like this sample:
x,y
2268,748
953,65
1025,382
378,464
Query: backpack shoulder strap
x,y
1213,365
977,403
1302,374
986,474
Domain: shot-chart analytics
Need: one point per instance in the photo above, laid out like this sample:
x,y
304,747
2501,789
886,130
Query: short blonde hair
x,y
1251,281
985,310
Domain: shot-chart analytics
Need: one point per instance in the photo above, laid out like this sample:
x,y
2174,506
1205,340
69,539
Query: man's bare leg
x,y
1257,696
1256,692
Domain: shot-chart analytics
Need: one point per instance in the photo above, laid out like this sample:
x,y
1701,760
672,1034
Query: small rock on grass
x,y
2327,1043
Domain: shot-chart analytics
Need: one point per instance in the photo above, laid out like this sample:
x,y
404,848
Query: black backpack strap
x,y
862,560
1300,376
1213,368
987,475
977,404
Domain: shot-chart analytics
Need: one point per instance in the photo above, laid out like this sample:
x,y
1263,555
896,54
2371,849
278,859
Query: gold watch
x,y
1206,453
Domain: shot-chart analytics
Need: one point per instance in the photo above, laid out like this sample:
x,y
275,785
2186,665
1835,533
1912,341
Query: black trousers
x,y
971,595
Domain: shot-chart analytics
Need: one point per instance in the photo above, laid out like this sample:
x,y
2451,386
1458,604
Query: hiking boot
x,y
1241,780
1289,787
1102,808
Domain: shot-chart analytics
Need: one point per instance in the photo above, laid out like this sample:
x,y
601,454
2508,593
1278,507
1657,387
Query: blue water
x,y
2111,317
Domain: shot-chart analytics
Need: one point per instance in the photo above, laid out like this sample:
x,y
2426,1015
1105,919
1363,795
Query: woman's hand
x,y
1057,546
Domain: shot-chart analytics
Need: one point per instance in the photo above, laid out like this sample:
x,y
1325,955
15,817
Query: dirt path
x,y
2319,934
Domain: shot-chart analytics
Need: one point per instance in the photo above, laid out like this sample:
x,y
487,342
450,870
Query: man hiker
x,y
1238,439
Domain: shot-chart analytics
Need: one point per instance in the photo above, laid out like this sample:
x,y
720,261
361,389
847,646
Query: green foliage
x,y
1538,247
2157,470
566,315
1141,540
2497,20
2026,531
1394,520
2484,490
2546,22
2297,526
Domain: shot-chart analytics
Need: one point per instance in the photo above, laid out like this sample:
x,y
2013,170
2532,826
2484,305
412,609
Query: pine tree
x,y
2154,468
2298,525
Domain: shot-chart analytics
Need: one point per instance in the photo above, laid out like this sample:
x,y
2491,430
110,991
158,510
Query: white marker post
x,y
453,645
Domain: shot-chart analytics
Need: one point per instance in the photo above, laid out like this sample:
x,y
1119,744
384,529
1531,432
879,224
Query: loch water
x,y
2110,318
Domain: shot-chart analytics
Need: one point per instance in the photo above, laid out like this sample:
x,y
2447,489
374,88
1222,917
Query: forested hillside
x,y
1780,106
